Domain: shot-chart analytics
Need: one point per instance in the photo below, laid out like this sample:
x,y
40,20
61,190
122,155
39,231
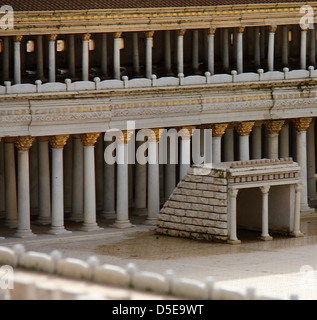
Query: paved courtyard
x,y
276,268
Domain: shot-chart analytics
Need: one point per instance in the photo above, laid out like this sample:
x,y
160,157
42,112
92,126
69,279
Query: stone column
x,y
262,42
153,177
256,148
229,143
2,181
311,161
136,56
122,198
303,48
167,51
218,130
148,53
257,56
211,50
89,140
17,59
104,55
172,160
71,56
312,47
225,48
23,145
301,125
57,143
185,134
265,213
270,54
10,183
240,50
5,59
180,51
39,58
273,127
116,55
285,46
232,218
195,52
284,141
52,57
244,129
85,56
296,232
44,182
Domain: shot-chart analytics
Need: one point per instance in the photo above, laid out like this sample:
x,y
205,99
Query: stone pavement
x,y
275,268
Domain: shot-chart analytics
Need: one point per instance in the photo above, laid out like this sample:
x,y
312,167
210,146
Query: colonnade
x,y
223,49
139,188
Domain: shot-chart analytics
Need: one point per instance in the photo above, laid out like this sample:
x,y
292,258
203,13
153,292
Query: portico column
x,y
225,57
153,177
296,231
116,55
148,53
167,50
273,127
5,59
218,130
270,55
85,56
303,48
17,59
229,143
104,54
244,129
256,148
312,47
195,52
89,140
44,182
52,57
240,50
71,56
285,46
122,199
257,56
311,161
185,133
211,50
301,125
39,57
10,183
57,143
180,50
265,213
136,57
284,141
23,145
232,219
172,160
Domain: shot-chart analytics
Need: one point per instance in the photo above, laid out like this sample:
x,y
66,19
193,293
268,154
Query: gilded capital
x,y
18,38
52,37
123,137
302,124
24,143
219,129
117,35
211,31
272,29
241,29
274,126
86,36
89,139
186,132
244,128
155,135
149,34
58,141
181,32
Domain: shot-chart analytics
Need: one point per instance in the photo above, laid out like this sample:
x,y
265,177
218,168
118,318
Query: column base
x,y
24,234
42,221
306,209
58,231
234,241
76,217
266,238
108,215
123,224
297,234
11,223
89,227
151,221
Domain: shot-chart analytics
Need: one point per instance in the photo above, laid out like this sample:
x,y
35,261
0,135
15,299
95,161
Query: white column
x,y
211,50
172,160
185,133
270,54
10,184
153,178
244,129
256,148
17,59
207,146
71,56
85,57
311,161
52,58
265,213
257,56
229,144
312,47
240,50
284,141
39,57
44,195
180,51
136,56
195,53
57,225
167,51
23,145
89,140
2,181
273,128
122,197
285,46
296,231
148,53
225,57
232,218
5,59
104,54
301,125
116,55
218,130
303,48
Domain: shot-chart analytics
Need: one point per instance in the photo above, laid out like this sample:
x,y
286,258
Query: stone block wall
x,y
197,208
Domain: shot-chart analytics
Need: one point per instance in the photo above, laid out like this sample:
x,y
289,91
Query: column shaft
x,y
270,55
265,213
167,51
52,58
148,54
116,56
232,210
85,57
211,51
303,48
104,54
17,60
